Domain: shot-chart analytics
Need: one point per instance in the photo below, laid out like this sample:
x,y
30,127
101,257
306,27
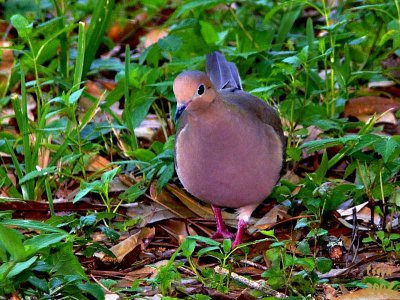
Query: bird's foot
x,y
222,233
239,235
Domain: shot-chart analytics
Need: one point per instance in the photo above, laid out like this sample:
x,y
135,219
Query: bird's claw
x,y
225,234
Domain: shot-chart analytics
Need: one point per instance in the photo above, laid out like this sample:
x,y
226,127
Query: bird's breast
x,y
228,161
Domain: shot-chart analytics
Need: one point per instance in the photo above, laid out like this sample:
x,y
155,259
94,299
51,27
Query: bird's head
x,y
193,91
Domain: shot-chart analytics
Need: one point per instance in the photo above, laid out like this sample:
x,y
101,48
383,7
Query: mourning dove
x,y
229,144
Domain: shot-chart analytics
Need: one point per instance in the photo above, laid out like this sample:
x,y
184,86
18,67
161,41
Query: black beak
x,y
179,110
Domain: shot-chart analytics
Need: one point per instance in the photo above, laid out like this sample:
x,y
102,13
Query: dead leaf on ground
x,y
277,213
371,293
98,163
123,248
195,205
153,36
176,228
370,105
165,200
149,213
363,212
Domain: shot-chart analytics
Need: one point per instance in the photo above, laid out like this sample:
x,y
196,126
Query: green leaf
x,y
22,266
324,264
270,233
64,262
134,192
74,97
32,225
204,240
165,175
207,250
42,241
37,173
188,247
323,168
227,245
143,154
199,5
108,176
95,33
327,143
301,223
294,153
93,289
386,147
307,262
304,247
22,25
80,57
10,240
208,32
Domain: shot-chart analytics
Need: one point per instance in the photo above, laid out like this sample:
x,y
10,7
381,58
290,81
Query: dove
x,y
229,144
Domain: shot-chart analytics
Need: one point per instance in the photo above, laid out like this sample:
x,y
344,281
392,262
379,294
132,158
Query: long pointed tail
x,y
223,74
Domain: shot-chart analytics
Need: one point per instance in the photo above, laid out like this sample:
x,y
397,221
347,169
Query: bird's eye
x,y
201,89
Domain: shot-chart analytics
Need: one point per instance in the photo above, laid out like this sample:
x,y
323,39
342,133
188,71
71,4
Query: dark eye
x,y
201,89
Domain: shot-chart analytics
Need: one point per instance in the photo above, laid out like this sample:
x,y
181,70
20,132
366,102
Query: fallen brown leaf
x,y
370,105
126,246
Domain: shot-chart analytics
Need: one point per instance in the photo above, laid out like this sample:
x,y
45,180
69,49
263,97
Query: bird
x,y
229,144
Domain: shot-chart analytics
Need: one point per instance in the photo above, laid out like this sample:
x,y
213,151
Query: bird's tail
x,y
223,74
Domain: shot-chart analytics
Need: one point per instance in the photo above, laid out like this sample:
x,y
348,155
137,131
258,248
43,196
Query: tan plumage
x,y
229,144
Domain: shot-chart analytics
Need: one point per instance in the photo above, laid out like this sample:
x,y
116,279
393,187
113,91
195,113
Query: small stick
x,y
253,264
258,285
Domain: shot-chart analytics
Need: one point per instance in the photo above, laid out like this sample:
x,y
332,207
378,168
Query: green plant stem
x,y
159,113
246,33
64,45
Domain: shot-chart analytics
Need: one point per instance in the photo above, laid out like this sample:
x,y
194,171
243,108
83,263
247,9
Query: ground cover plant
x,y
90,203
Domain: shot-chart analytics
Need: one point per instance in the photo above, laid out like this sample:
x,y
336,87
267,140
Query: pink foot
x,y
239,235
222,231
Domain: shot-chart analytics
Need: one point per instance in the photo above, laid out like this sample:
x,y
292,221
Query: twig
x,y
258,285
253,264
100,284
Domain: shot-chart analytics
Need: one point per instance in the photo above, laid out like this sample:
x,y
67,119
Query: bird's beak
x,y
179,110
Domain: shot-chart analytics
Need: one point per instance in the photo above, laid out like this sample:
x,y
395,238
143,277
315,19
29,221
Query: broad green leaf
x,y
188,247
94,186
207,250
74,97
324,264
22,266
323,168
143,154
307,262
198,5
209,33
10,240
165,175
32,225
22,25
227,245
327,143
108,176
37,173
270,233
204,240
42,241
93,289
64,262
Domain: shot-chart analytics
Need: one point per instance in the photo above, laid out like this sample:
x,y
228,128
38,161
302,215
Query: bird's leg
x,y
222,231
244,214
242,224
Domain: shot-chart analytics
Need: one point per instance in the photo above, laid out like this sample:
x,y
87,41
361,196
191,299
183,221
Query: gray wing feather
x,y
223,74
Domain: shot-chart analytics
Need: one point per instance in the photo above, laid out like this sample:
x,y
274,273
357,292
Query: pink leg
x,y
240,231
222,231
